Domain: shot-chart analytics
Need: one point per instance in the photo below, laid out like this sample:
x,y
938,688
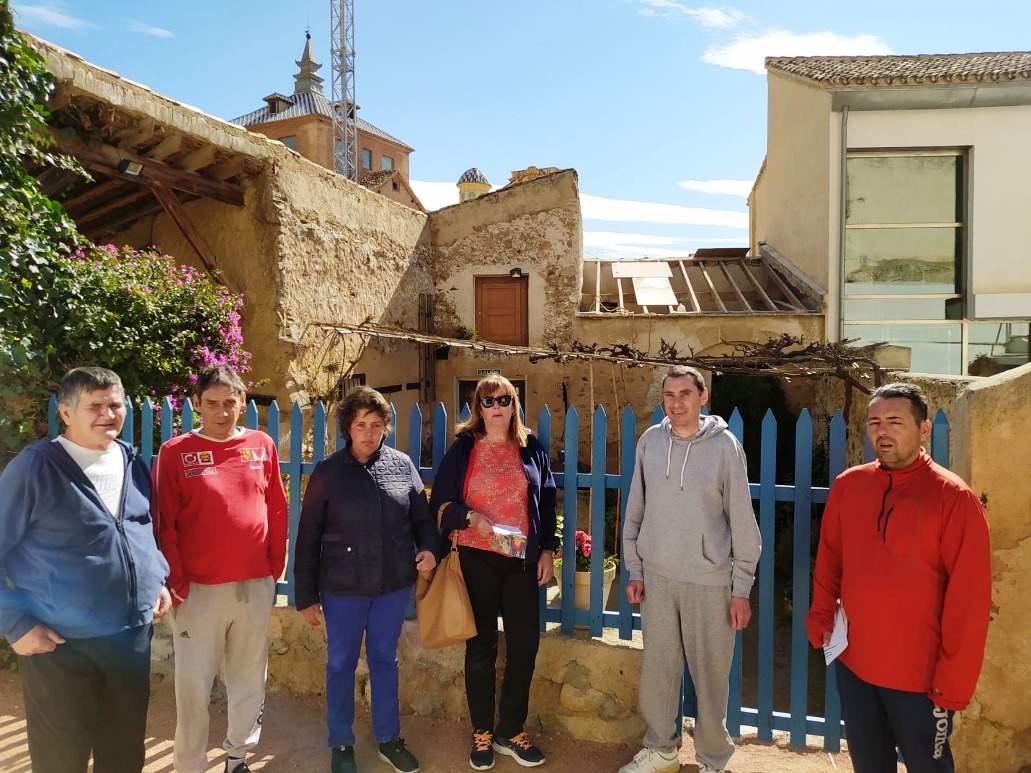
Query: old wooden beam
x,y
107,158
178,213
234,166
203,156
169,146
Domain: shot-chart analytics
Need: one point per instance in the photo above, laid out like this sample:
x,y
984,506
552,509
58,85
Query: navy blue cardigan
x,y
361,526
449,484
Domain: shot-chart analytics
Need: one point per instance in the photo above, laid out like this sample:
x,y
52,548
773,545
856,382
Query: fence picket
x,y
599,460
626,468
832,733
569,518
767,596
802,519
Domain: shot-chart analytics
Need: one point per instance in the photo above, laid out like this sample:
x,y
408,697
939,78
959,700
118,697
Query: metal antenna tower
x,y
345,129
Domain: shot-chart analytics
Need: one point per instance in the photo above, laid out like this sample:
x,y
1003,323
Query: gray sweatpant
x,y
226,622
686,622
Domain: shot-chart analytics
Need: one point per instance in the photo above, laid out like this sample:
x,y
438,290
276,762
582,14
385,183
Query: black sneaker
x,y
519,747
342,760
482,756
396,754
239,767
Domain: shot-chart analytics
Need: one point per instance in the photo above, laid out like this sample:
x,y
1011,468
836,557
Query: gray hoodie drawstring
x,y
684,467
669,454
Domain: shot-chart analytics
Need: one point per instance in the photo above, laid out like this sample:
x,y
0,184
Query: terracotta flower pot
x,y
582,588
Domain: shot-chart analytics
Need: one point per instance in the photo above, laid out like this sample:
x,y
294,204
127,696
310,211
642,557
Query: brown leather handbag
x,y
442,603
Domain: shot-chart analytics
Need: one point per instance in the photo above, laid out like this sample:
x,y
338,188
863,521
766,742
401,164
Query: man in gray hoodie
x,y
691,538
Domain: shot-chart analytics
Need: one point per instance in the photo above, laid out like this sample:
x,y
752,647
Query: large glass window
x,y
904,265
904,224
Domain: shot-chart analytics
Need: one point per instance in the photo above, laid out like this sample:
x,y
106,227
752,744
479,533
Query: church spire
x,y
308,78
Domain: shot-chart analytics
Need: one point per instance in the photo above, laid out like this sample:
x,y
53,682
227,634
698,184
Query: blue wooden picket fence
x,y
797,721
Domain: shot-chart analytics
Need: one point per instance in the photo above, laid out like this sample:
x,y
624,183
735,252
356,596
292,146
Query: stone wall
x,y
311,247
584,686
992,442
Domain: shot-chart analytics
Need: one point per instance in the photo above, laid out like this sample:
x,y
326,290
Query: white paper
x,y
839,636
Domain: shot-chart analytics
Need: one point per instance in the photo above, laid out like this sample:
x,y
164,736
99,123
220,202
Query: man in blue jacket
x,y
81,580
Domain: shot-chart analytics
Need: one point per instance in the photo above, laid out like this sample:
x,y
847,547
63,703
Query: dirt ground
x,y
293,739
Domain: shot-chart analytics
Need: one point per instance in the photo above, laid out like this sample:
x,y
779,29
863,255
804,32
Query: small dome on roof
x,y
473,175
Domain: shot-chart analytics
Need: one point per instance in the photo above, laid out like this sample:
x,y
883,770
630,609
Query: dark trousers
x,y
879,720
89,695
507,585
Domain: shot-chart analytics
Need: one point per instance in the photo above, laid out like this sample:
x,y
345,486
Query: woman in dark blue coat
x,y
496,477
364,533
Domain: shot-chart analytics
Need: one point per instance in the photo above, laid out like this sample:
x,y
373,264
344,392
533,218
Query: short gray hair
x,y
80,381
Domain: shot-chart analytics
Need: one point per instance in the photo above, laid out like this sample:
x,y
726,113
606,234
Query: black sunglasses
x,y
503,400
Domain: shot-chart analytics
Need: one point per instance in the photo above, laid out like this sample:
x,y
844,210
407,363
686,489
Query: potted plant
x,y
582,571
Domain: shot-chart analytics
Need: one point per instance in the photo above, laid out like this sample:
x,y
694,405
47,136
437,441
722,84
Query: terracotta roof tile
x,y
374,179
923,69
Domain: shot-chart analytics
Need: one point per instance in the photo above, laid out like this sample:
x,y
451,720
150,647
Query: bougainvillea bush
x,y
150,319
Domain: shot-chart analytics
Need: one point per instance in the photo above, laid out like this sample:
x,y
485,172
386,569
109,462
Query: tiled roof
x,y
311,103
923,69
373,180
305,103
473,175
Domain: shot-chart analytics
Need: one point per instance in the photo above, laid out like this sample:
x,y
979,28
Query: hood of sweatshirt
x,y
711,427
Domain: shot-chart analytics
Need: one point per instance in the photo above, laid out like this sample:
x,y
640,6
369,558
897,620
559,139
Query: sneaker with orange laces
x,y
482,756
520,747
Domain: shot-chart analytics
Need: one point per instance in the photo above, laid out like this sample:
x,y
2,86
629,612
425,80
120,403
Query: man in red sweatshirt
x,y
904,549
220,513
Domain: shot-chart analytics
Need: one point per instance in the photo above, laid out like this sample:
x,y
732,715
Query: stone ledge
x,y
584,686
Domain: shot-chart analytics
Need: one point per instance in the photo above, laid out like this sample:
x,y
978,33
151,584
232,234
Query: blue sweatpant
x,y
349,619
879,720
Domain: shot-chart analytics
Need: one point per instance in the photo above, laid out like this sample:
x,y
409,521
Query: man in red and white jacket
x,y
221,521
904,547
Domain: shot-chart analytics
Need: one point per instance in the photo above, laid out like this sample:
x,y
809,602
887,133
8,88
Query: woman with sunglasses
x,y
497,474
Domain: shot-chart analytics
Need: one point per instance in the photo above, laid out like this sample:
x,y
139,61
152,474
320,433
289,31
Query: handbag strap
x,y
452,556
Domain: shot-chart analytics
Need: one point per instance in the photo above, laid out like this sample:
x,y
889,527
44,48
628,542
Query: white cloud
x,y
618,238
747,52
435,195
719,187
625,211
48,16
709,18
147,29
612,244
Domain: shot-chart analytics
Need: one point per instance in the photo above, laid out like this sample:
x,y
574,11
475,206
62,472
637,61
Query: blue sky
x,y
659,105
